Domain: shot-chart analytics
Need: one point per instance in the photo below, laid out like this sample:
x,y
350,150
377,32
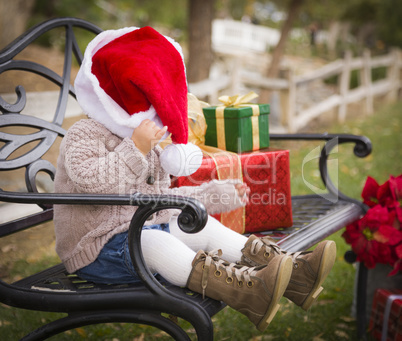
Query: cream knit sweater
x,y
93,160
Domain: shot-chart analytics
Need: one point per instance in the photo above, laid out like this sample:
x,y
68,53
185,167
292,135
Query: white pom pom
x,y
181,159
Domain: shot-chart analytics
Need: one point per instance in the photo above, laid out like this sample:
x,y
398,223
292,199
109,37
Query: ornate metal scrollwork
x,y
46,135
12,156
361,149
32,171
18,106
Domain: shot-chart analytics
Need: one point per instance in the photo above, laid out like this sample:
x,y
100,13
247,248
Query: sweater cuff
x,y
217,195
132,157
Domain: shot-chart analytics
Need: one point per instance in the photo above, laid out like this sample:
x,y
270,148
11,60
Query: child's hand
x,y
147,135
243,192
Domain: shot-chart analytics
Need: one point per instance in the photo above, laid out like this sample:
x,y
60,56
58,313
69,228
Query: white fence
x,y
232,35
293,117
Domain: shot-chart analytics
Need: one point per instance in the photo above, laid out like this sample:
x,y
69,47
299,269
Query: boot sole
x,y
284,273
327,262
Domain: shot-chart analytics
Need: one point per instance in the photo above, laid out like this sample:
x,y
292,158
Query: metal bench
x,y
54,290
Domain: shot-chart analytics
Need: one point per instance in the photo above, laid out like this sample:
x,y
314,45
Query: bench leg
x,y
361,301
90,318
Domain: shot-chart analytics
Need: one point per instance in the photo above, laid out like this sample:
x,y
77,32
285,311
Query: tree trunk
x,y
14,15
201,14
277,54
333,37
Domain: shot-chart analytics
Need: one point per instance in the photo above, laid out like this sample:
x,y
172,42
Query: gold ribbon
x,y
220,127
237,101
255,126
227,164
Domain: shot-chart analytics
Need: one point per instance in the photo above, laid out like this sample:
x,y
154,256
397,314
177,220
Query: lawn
x,y
329,318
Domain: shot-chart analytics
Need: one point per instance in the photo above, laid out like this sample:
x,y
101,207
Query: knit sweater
x,y
94,160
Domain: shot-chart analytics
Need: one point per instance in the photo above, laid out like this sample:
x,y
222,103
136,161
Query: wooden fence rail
x,y
294,118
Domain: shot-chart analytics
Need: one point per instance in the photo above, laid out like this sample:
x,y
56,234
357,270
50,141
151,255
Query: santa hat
x,y
132,74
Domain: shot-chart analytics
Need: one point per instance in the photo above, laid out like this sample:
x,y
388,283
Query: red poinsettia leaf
x,y
398,212
386,255
397,268
384,194
398,251
382,235
388,235
374,217
351,232
358,243
395,184
347,235
393,219
369,193
371,256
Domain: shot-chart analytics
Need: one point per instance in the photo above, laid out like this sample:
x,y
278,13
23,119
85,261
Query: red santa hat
x,y
132,74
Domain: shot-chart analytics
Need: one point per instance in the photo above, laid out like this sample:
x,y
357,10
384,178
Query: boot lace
x,y
270,246
243,274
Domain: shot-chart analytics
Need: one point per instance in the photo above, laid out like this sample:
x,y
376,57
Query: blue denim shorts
x,y
113,265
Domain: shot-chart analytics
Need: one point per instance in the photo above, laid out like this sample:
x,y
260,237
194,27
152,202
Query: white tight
x,y
171,254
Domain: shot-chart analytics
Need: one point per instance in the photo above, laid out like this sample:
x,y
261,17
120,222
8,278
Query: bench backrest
x,y
26,136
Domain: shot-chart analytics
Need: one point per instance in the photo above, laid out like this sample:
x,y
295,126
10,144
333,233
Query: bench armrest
x,y
64,198
192,219
361,149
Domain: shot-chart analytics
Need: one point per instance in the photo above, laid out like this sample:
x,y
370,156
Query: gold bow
x,y
233,101
197,127
237,101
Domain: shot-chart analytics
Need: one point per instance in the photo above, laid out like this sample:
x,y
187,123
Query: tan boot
x,y
310,268
254,292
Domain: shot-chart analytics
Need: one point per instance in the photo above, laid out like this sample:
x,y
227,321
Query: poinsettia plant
x,y
377,236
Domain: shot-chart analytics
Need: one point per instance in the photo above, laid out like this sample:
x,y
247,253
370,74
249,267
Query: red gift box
x,y
267,174
386,315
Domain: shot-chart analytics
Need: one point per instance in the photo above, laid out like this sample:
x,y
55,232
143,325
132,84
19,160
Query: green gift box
x,y
237,129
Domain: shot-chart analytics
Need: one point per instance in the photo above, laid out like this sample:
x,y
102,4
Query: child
x,y
132,85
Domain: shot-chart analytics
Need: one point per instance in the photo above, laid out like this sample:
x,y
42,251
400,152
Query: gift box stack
x,y
240,134
386,315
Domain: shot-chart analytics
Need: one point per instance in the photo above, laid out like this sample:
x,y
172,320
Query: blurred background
x,y
292,53
325,27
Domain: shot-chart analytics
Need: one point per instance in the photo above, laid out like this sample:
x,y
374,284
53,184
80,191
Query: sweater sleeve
x,y
217,195
96,167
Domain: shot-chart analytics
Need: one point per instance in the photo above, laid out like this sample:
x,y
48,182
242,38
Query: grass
x,y
329,318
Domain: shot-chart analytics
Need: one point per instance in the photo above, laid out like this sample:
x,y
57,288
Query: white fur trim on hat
x,y
181,159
